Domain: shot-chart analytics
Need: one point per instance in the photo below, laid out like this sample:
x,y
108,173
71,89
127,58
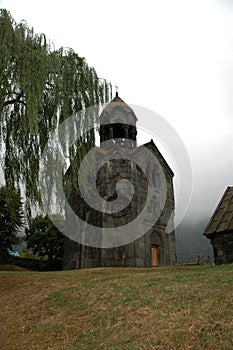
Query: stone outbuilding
x,y
156,247
220,229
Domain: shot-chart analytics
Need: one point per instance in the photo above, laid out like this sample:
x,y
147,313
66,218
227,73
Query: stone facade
x,y
220,229
156,247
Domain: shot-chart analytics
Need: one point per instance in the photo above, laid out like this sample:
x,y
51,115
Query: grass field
x,y
163,308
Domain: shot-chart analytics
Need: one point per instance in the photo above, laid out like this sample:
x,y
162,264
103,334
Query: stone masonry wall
x,y
137,253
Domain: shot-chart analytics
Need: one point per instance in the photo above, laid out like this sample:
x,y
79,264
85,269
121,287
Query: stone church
x,y
155,246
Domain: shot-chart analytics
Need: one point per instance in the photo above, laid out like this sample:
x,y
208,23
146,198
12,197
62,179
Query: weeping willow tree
x,y
40,88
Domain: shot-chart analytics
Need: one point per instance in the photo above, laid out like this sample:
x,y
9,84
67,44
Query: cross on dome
x,y
117,88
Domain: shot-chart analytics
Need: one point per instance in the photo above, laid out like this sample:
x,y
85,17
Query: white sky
x,y
173,57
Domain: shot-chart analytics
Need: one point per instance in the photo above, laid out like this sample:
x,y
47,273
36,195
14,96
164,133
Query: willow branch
x,y
15,100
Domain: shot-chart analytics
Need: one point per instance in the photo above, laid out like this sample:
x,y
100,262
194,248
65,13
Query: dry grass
x,y
11,268
164,309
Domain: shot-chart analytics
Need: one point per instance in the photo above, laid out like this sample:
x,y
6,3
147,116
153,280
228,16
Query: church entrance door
x,y
154,256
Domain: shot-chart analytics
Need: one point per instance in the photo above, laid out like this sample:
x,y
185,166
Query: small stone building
x,y
220,229
156,247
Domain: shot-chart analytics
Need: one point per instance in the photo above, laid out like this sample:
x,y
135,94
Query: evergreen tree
x,y
11,220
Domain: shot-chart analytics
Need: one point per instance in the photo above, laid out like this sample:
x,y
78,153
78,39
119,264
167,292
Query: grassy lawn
x,y
163,308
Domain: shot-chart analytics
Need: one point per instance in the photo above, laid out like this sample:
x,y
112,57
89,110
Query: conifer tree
x,y
11,220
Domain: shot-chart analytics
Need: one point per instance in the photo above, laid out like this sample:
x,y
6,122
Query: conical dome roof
x,y
117,111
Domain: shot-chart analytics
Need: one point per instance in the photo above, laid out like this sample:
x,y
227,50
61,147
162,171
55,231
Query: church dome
x,y
118,111
118,121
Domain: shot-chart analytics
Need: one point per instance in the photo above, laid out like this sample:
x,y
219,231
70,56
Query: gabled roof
x,y
117,149
151,145
222,218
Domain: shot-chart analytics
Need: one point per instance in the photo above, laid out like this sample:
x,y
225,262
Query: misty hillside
x,y
190,242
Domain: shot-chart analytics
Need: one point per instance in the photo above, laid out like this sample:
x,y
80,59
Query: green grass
x,y
130,309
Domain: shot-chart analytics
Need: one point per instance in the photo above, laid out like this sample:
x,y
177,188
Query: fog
x,y
173,57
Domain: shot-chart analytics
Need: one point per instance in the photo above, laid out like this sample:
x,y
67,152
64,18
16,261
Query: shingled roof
x,y
222,219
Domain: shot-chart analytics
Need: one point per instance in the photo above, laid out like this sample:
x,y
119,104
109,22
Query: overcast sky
x,y
173,57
